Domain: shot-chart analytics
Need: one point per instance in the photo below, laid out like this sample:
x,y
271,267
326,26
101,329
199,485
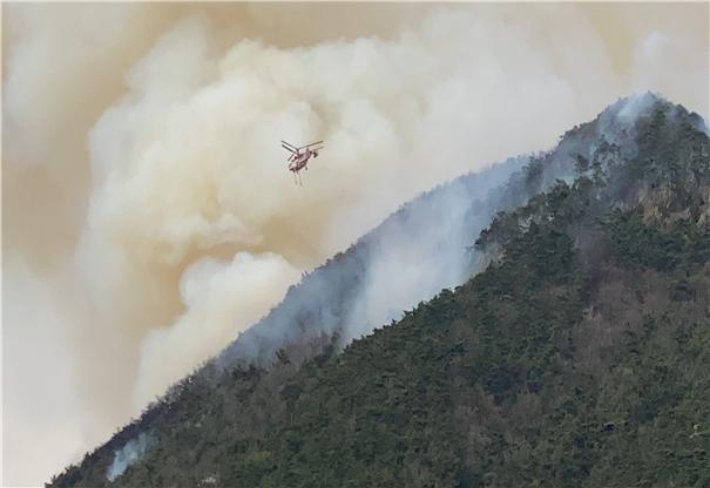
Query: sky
x,y
148,216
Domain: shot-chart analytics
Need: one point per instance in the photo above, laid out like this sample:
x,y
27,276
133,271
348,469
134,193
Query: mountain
x,y
569,346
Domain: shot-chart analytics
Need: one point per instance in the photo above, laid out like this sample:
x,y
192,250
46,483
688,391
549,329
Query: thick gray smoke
x,y
148,215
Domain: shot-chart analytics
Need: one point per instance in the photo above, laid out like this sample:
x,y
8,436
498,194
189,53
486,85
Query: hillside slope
x,y
579,357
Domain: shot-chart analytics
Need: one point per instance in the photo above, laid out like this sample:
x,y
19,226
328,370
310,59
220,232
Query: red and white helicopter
x,y
300,156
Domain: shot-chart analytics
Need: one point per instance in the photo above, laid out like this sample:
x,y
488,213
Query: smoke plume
x,y
148,214
129,454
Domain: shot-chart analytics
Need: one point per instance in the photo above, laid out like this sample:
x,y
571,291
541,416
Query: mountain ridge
x,y
581,172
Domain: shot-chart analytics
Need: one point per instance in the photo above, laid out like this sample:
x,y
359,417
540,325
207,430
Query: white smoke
x,y
634,106
170,160
221,299
414,262
129,454
144,184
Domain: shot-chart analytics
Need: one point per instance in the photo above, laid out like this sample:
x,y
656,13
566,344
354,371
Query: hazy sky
x,y
147,213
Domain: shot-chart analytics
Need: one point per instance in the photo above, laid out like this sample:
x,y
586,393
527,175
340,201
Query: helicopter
x,y
300,156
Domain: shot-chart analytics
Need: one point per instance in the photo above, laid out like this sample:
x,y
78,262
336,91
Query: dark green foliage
x,y
637,243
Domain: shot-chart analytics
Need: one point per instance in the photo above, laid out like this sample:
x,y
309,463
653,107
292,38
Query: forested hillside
x,y
580,355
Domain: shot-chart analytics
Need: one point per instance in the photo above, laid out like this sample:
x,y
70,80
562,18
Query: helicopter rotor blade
x,y
311,144
284,143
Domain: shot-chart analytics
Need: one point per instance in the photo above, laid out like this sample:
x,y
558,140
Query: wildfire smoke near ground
x,y
148,216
